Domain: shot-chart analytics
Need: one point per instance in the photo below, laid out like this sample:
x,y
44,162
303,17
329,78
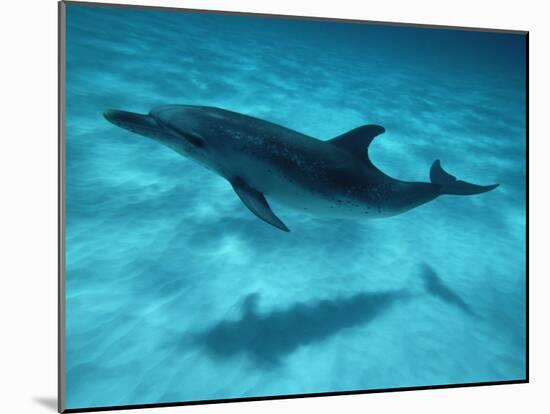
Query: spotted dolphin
x,y
263,160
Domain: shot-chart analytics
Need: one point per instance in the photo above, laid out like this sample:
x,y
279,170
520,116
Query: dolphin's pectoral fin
x,y
256,202
357,140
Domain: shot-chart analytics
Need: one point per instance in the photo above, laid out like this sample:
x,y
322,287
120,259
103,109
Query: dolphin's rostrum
x,y
262,159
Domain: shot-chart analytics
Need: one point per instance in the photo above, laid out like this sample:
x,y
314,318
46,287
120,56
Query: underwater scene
x,y
181,286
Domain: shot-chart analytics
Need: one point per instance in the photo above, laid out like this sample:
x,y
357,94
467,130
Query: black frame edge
x,y
527,207
291,396
61,356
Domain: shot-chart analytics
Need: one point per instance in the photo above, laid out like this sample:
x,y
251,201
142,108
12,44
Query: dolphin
x,y
261,159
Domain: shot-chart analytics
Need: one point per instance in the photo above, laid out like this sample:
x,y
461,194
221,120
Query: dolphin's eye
x,y
194,139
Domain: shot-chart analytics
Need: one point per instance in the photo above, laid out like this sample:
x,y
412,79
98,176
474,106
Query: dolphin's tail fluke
x,y
450,185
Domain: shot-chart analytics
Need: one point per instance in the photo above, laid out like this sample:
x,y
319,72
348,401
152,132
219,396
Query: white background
x,y
28,171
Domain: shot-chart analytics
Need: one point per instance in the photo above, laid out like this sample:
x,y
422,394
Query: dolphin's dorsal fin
x,y
357,140
256,202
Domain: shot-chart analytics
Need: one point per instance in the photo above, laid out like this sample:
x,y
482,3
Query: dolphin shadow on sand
x,y
436,287
268,337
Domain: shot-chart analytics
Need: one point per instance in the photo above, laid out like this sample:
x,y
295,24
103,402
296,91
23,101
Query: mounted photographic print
x,y
257,207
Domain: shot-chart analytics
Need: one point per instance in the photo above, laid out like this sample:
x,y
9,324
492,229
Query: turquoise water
x,y
176,292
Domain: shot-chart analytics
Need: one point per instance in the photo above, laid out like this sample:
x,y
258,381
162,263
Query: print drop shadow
x,y
436,287
48,402
268,337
